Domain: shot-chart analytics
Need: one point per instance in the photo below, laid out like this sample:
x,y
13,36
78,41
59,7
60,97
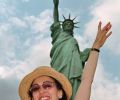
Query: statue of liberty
x,y
65,54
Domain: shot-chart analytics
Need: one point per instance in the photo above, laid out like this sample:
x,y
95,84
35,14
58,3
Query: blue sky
x,y
25,41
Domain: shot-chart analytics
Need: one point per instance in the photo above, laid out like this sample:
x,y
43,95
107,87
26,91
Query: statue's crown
x,y
71,20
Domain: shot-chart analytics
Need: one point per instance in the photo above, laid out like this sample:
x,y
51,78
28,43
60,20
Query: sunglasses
x,y
46,86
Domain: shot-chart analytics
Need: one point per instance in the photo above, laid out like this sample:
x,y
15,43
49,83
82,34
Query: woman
x,y
45,83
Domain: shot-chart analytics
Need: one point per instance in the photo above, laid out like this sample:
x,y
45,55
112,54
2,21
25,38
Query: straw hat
x,y
40,71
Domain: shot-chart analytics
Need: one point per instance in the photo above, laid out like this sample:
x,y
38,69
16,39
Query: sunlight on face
x,y
45,89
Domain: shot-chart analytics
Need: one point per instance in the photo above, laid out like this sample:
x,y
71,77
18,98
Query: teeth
x,y
44,98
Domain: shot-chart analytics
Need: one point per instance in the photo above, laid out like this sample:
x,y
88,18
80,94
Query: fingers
x,y
107,27
99,26
108,34
104,39
102,34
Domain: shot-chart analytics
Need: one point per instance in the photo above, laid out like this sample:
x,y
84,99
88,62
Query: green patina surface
x,y
65,54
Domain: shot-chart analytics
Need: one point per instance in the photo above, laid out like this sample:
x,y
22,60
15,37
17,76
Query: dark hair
x,y
58,86
30,93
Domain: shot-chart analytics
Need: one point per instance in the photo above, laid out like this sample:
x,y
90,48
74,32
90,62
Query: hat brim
x,y
40,71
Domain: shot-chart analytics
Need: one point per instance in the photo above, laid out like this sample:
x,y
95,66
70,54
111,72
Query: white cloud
x,y
4,28
6,40
38,56
15,21
6,9
40,23
104,87
39,53
25,0
105,11
3,71
17,70
82,42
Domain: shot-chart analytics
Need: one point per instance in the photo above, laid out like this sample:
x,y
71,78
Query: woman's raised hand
x,y
102,35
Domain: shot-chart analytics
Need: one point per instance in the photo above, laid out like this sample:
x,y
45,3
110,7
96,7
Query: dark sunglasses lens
x,y
35,88
47,85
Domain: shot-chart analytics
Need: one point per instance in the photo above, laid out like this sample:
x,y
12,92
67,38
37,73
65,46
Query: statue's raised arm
x,y
56,13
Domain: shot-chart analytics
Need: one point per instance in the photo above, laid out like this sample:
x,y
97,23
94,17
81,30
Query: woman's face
x,y
44,88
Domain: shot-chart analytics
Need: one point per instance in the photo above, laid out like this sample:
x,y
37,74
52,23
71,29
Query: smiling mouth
x,y
44,98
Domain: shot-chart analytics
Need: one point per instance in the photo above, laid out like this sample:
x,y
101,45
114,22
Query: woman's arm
x,y
56,13
84,89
